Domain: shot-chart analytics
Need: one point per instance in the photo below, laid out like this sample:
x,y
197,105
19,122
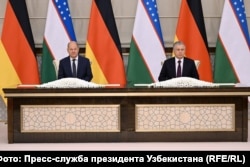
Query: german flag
x,y
18,62
103,46
191,30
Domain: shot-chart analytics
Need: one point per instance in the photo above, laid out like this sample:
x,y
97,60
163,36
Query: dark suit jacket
x,y
83,69
168,70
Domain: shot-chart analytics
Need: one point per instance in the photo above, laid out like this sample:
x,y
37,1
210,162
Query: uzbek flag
x,y
232,57
58,32
146,48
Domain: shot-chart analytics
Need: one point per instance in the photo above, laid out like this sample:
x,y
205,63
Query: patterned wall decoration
x,y
185,117
3,111
70,118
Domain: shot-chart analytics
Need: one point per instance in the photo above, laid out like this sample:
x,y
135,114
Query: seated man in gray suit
x,y
74,65
186,65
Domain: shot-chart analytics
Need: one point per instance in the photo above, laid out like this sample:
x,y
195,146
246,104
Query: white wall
x,y
124,11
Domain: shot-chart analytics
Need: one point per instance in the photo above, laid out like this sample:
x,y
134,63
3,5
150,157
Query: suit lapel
x,y
80,64
69,65
173,67
185,66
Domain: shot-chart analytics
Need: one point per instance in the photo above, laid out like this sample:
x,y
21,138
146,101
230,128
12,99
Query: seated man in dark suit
x,y
186,65
74,65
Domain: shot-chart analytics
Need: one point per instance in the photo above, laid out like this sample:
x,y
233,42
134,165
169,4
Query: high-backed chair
x,y
56,66
197,63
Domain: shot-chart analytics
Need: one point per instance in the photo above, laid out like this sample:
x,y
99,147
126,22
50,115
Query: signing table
x,y
127,114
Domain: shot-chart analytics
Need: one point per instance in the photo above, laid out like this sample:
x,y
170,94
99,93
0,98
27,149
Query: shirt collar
x,y
74,58
176,60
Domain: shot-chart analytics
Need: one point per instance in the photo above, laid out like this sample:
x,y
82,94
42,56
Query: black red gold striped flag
x,y
18,61
103,46
191,30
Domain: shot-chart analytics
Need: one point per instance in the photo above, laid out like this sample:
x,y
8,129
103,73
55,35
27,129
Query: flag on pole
x,y
191,30
232,56
17,49
103,47
146,48
58,32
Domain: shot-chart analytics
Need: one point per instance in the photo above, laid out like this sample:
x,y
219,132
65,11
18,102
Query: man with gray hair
x,y
179,65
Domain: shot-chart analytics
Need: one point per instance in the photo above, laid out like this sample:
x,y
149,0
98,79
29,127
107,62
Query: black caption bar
x,y
124,158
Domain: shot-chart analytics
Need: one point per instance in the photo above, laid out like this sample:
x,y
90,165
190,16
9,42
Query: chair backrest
x,y
56,66
197,63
